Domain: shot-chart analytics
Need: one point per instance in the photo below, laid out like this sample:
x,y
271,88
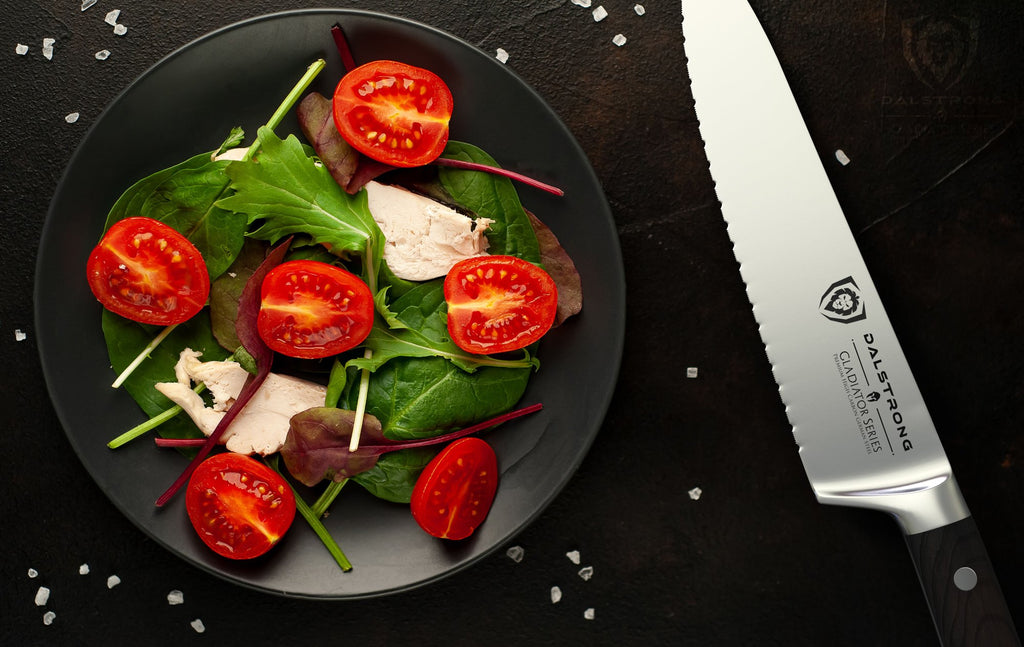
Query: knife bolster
x,y
917,507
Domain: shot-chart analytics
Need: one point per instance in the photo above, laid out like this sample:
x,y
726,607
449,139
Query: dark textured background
x,y
933,194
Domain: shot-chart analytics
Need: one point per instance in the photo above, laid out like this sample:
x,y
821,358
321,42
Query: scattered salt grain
x,y
33,573
501,55
586,572
20,49
841,156
113,581
48,48
83,569
515,553
619,40
556,595
574,556
19,335
589,613
198,625
72,117
639,9
582,3
103,55
175,597
695,493
87,3
49,617
120,30
600,13
112,16
691,372
42,596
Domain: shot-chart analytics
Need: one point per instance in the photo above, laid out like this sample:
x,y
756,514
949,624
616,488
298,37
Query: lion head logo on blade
x,y
842,302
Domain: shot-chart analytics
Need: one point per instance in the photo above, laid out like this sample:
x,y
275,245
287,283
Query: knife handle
x,y
967,605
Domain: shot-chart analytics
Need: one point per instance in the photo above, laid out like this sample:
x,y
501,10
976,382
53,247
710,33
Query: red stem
x,y
512,175
343,49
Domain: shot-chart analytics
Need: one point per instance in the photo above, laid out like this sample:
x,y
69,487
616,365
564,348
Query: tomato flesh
x,y
238,506
146,271
310,309
393,112
454,493
498,303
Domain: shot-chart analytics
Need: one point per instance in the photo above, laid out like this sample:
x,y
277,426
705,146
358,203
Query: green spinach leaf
x,y
126,338
491,196
184,197
422,397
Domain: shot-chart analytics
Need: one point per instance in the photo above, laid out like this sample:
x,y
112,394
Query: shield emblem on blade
x,y
940,49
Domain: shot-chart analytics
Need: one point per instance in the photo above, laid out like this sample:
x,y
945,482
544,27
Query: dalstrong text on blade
x,y
872,397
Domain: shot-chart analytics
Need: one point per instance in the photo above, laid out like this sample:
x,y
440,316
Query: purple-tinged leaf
x,y
245,327
317,446
559,265
316,119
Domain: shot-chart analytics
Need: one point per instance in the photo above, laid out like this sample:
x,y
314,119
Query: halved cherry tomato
x,y
498,303
454,493
310,309
146,271
239,507
393,112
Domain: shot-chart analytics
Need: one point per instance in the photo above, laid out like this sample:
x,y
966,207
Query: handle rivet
x,y
965,578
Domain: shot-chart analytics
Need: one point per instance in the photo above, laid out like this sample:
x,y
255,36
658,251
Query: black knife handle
x,y
960,585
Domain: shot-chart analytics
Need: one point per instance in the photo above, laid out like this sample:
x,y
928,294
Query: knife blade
x,y
865,436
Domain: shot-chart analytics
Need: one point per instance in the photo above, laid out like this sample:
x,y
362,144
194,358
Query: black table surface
x,y
922,98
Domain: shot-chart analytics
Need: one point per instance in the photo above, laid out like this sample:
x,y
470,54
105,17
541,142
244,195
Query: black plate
x,y
187,103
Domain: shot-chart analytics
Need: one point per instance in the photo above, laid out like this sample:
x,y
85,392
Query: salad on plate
x,y
353,303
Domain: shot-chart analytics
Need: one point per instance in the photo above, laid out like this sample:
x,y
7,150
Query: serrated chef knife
x,y
865,436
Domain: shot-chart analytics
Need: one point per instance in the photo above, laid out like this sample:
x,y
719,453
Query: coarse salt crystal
x,y
198,625
19,335
113,581
582,3
87,3
639,9
72,117
20,49
691,372
42,596
112,16
842,157
556,594
600,13
49,617
33,573
175,597
501,55
48,48
103,55
515,553
120,30
574,556
619,40
83,569
586,572
695,493
589,613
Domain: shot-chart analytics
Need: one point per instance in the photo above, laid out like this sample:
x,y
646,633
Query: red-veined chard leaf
x,y
248,335
317,447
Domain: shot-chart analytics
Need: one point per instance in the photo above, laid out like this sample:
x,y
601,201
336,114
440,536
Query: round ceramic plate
x,y
188,103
